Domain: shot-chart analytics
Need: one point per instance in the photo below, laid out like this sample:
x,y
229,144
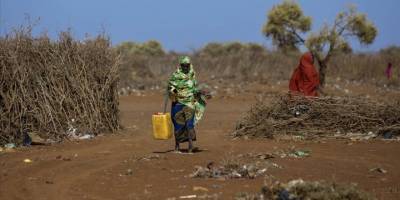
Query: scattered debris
x,y
85,137
27,140
207,196
59,157
292,153
9,146
36,139
75,134
199,188
378,169
356,136
231,171
129,172
299,189
150,157
66,159
188,196
387,135
216,186
261,156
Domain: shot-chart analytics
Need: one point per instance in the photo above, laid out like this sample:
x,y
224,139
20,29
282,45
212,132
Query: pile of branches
x,y
56,88
322,116
299,189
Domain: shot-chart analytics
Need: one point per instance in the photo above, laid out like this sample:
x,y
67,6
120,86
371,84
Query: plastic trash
x,y
284,195
188,196
378,169
85,137
27,160
199,188
129,172
9,146
27,141
302,153
388,135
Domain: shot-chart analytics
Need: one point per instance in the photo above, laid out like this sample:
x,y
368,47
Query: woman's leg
x,y
190,138
177,145
174,110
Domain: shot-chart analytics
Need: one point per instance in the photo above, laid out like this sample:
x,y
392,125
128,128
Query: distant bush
x,y
391,51
238,62
150,48
223,49
136,59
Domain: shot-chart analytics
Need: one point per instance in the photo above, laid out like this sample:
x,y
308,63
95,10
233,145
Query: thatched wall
x,y
55,87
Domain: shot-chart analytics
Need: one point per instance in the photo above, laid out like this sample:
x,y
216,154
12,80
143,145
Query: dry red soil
x,y
98,168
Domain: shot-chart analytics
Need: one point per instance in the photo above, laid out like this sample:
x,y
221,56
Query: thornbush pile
x,y
323,116
50,86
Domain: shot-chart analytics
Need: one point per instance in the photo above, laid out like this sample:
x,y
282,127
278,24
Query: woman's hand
x,y
205,93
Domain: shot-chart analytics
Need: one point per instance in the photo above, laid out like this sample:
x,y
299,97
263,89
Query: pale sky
x,y
182,25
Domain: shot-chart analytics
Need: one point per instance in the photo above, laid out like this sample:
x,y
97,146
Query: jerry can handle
x,y
165,100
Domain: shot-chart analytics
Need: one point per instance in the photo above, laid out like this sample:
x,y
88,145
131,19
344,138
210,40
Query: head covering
x,y
184,60
305,78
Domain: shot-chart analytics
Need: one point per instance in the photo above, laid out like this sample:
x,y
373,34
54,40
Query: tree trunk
x,y
322,72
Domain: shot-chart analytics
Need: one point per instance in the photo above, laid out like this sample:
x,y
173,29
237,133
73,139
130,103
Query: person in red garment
x,y
305,78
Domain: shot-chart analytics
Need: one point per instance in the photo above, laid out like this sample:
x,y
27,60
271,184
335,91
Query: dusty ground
x,y
110,167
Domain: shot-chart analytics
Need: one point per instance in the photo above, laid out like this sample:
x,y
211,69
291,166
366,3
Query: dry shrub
x,y
215,63
246,66
299,189
49,86
237,63
298,115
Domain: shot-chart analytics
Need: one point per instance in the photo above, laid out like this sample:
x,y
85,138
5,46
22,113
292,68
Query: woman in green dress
x,y
188,103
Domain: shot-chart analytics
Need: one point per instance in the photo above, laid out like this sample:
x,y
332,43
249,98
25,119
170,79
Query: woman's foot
x,y
177,149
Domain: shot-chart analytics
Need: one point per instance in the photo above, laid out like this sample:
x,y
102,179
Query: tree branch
x,y
297,35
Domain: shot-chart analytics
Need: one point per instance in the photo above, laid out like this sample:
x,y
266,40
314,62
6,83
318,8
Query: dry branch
x,y
47,86
309,117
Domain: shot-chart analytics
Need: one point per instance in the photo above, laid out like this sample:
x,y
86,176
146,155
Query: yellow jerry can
x,y
162,126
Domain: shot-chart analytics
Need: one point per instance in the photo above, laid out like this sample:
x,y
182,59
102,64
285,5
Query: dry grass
x,y
49,86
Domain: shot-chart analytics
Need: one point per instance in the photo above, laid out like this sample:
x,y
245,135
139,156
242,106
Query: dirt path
x,y
134,166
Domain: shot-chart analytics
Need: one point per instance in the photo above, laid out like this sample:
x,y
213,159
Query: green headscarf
x,y
186,88
184,60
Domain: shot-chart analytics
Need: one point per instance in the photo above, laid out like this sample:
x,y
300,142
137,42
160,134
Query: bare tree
x,y
287,26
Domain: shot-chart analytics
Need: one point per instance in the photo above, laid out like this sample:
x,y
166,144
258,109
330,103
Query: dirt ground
x,y
132,165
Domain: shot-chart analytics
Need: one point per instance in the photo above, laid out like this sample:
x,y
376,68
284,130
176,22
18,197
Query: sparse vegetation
x,y
247,62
